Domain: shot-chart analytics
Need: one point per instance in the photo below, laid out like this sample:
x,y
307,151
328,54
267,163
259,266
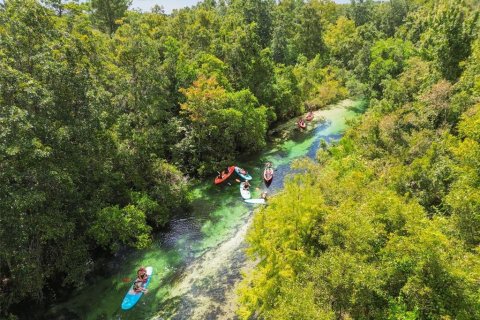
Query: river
x,y
198,262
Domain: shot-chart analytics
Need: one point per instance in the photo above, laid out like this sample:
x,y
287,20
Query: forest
x,y
108,115
386,223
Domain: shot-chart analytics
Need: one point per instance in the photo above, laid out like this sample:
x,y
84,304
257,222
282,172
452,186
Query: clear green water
x,y
198,262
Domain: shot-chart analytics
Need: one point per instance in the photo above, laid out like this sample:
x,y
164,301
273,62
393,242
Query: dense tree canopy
x,y
105,112
385,225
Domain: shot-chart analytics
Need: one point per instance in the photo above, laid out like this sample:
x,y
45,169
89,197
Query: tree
x,y
389,16
107,12
56,5
309,36
361,11
283,46
450,37
342,41
464,195
260,13
220,124
388,59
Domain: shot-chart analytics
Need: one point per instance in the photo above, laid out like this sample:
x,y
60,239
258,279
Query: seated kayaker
x,y
142,274
138,286
220,175
246,185
242,171
264,195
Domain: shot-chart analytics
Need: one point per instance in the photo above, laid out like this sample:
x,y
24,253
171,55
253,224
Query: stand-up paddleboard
x,y
245,193
132,297
256,201
242,173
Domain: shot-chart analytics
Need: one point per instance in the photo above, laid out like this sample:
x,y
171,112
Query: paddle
x,y
125,280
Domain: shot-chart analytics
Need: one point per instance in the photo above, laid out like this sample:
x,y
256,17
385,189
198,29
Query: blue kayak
x,y
244,175
132,297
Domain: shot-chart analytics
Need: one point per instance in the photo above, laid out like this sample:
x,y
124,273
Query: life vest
x,y
143,277
137,286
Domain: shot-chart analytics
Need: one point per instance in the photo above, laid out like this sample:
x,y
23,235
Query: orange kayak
x,y
225,175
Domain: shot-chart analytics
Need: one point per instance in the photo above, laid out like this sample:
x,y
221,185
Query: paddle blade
x,y
126,280
237,180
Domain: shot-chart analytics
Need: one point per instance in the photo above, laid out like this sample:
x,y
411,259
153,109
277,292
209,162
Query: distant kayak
x,y
256,201
225,175
309,116
132,297
268,175
301,124
245,193
242,173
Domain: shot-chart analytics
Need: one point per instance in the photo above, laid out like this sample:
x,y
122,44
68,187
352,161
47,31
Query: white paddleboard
x,y
245,193
256,201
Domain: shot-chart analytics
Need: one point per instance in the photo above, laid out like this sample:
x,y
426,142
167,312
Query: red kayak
x,y
268,175
224,176
309,116
301,124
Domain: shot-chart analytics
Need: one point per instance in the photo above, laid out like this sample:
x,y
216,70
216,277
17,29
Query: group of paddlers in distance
x,y
245,185
301,122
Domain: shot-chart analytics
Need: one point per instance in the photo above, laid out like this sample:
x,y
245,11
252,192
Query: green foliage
x,y
464,196
361,11
447,41
104,110
220,125
260,13
288,101
284,49
342,41
107,12
310,31
114,227
385,226
388,58
77,132
319,87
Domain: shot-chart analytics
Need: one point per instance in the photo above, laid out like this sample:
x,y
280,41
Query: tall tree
x,y
310,31
361,11
258,12
107,12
